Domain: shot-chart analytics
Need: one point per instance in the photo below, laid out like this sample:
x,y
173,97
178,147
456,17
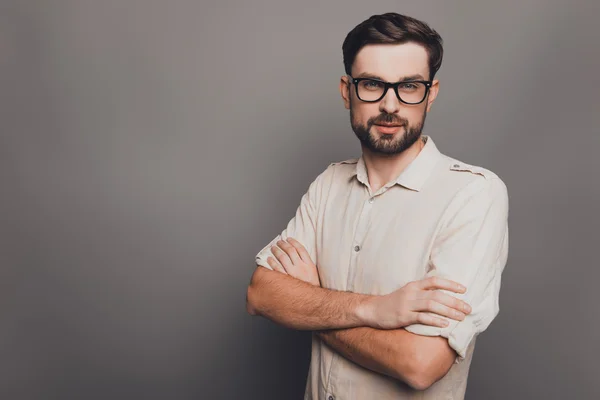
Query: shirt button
x,y
356,248
371,200
330,398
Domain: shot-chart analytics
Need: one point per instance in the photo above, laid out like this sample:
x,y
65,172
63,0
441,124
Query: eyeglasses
x,y
408,92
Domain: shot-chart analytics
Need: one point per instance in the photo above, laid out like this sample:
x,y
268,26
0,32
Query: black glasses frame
x,y
388,85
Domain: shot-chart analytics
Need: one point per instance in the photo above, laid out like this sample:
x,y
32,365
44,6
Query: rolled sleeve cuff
x,y
265,253
460,338
459,335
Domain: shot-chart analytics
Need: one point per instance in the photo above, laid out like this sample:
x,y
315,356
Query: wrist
x,y
364,310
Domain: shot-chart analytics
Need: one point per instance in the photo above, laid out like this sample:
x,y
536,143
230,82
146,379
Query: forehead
x,y
391,62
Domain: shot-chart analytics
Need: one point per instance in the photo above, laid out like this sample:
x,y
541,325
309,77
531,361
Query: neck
x,y
383,168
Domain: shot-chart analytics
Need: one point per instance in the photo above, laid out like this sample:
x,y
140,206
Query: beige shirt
x,y
440,217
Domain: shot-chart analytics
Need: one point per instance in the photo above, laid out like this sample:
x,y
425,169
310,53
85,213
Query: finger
x,y
301,250
450,301
282,257
428,319
435,282
275,265
439,309
290,251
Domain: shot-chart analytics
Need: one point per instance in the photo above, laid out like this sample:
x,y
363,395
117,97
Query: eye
x,y
409,86
371,85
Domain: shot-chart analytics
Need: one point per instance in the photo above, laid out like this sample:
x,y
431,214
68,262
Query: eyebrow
x,y
415,77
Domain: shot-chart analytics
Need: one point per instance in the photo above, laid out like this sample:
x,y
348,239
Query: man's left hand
x,y
295,260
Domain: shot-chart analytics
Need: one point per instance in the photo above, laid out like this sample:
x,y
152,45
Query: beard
x,y
388,144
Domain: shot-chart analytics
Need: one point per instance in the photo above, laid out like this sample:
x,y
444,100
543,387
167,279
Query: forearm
x,y
381,351
298,305
396,353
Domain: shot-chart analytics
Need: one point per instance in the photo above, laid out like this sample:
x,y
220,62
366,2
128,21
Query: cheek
x,y
362,112
414,115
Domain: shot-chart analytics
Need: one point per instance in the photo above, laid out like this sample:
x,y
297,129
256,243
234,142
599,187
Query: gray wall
x,y
149,149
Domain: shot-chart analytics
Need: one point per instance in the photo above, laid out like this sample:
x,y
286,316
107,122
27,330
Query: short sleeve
x,y
472,249
302,226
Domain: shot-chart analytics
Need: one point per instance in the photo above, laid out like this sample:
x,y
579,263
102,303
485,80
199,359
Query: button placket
x,y
359,235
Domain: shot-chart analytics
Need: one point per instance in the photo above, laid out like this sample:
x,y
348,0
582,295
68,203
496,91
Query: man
x,y
394,259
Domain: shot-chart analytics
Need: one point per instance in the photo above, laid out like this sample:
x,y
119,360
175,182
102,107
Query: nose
x,y
390,103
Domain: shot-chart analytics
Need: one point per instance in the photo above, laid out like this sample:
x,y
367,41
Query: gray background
x,y
149,149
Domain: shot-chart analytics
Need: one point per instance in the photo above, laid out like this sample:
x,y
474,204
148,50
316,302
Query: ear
x,y
433,92
345,90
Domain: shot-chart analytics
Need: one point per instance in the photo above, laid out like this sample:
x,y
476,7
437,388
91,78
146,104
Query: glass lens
x,y
412,92
369,90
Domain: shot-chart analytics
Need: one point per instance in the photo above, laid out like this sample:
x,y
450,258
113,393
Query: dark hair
x,y
393,28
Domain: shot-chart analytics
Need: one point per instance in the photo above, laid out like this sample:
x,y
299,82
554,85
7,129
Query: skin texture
x,y
367,329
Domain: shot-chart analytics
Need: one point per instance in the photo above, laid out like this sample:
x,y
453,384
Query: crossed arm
x,y
340,318
472,248
417,360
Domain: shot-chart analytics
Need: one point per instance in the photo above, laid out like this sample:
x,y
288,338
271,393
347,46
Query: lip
x,y
388,129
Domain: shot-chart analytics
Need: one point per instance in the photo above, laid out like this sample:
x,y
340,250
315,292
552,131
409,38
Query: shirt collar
x,y
415,174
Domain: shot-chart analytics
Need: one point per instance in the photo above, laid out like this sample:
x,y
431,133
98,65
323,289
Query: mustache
x,y
388,119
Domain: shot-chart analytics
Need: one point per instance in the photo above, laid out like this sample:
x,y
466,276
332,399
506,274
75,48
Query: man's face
x,y
390,63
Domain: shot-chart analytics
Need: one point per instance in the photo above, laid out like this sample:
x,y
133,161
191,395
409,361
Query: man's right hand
x,y
411,304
